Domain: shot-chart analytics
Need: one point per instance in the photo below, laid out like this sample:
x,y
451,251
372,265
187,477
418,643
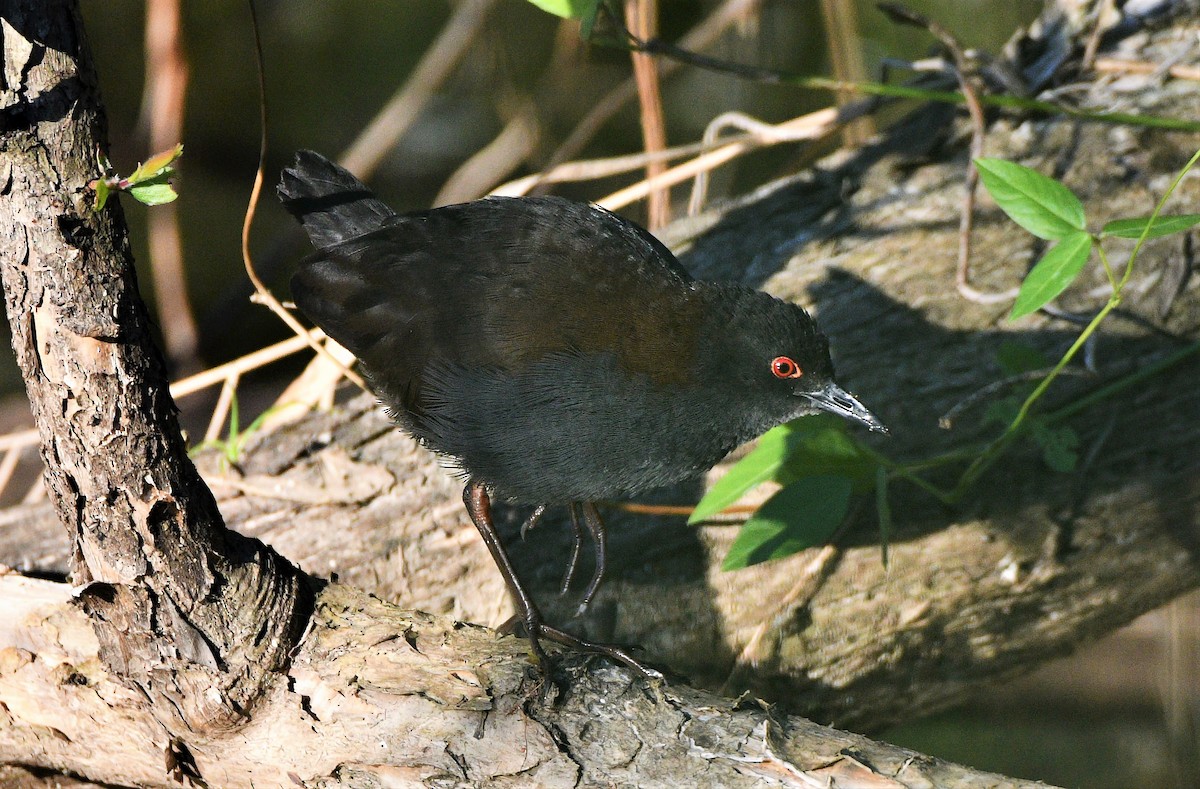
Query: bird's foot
x,y
594,525
611,651
516,625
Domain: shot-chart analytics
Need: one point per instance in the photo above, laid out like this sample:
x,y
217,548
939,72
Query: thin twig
x,y
807,127
439,61
19,439
516,143
163,102
670,510
699,37
651,509
495,160
1119,66
840,18
36,492
946,420
1093,43
965,73
242,365
8,465
595,169
757,130
221,409
914,92
264,295
641,18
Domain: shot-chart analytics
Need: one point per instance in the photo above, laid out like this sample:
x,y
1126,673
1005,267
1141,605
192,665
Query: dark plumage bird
x,y
557,353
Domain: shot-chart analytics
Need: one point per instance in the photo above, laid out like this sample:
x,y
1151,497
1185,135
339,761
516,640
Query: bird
x,y
553,352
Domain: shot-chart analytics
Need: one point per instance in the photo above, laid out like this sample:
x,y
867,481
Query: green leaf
x,y
568,9
800,516
587,20
1059,443
1039,204
760,465
102,193
816,444
234,418
821,445
153,192
1059,446
1053,273
1163,226
1002,411
1019,357
157,165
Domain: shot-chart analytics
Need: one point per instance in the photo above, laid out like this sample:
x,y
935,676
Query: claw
x,y
575,547
595,527
532,520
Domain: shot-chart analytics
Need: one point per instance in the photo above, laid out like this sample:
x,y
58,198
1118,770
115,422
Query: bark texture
x,y
380,697
166,586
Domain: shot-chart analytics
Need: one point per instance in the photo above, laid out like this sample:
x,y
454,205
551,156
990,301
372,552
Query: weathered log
x,y
378,696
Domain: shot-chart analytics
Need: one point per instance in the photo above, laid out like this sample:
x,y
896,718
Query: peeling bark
x,y
378,696
163,581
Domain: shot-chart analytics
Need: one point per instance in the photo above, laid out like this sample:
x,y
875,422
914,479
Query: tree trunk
x,y
165,584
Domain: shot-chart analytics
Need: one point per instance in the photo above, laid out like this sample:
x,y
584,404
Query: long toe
x,y
611,651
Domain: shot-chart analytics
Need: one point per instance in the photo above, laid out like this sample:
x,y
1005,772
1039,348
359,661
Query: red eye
x,y
784,367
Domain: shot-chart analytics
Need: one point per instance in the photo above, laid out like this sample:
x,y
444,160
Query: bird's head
x,y
772,353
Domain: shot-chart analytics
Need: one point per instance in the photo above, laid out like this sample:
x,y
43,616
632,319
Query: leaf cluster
x,y
820,466
150,183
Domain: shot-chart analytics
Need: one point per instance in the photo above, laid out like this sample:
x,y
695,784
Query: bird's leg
x,y
575,547
532,520
479,507
595,527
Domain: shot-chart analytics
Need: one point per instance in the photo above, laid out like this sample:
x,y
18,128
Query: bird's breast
x,y
573,426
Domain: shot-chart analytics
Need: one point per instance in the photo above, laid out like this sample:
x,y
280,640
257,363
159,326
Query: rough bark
x,y
377,696
165,584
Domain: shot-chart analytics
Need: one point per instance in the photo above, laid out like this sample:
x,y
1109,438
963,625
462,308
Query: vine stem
x,y
993,451
910,472
1108,270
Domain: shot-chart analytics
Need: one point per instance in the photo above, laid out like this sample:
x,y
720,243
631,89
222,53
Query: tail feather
x,y
331,204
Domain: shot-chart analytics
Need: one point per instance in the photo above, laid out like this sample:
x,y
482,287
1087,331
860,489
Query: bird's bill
x,y
836,400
